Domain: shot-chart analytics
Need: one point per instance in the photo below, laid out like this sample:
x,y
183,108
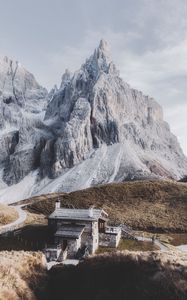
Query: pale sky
x,y
148,41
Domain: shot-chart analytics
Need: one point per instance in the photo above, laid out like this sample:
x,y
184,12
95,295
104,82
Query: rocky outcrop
x,y
17,84
22,107
94,129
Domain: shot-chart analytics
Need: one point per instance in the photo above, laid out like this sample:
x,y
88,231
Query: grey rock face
x,y
95,107
76,141
94,129
22,107
17,85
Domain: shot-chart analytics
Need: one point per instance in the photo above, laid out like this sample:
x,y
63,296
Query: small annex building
x,y
77,229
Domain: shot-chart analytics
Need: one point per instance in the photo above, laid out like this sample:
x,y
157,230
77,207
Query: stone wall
x,y
73,246
89,237
95,236
109,239
52,254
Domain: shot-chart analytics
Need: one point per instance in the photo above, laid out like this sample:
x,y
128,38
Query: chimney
x,y
57,204
91,212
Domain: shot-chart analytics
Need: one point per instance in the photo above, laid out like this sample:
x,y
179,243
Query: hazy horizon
x,y
147,39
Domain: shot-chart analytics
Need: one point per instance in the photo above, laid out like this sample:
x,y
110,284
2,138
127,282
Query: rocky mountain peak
x,y
20,94
103,45
103,52
65,78
100,61
52,92
17,84
97,108
97,129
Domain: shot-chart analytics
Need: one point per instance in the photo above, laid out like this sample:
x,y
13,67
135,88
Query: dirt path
x,y
156,242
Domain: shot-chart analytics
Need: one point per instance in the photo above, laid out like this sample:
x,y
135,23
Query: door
x,y
64,244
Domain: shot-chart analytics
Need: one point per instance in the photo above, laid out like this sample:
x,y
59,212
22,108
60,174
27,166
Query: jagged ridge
x,y
96,129
94,107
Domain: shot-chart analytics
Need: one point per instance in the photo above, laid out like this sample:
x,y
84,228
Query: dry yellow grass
x,y
20,273
122,275
7,214
159,205
35,219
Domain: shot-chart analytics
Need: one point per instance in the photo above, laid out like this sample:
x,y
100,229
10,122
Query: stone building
x,y
80,229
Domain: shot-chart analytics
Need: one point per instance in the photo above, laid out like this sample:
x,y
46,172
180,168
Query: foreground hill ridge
x,y
126,275
130,275
94,129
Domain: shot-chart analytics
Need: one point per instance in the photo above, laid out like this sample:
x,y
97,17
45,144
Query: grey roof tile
x,y
71,231
78,214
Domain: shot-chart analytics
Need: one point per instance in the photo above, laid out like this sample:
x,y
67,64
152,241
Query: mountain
x,y
18,87
96,129
22,107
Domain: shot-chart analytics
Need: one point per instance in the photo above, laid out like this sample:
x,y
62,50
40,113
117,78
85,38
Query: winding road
x,y
22,215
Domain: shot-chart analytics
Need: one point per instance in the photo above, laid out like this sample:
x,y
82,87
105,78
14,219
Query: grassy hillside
x,y
121,275
128,275
7,214
147,205
21,274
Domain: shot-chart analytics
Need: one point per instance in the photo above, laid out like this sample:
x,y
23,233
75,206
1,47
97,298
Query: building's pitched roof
x,y
78,214
72,231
